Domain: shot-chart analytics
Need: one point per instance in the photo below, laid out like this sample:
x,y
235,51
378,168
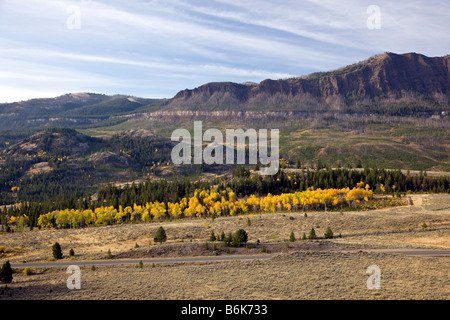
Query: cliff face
x,y
382,75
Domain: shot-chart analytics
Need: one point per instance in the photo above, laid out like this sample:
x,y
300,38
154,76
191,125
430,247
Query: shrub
x,y
71,253
228,240
328,233
239,237
27,271
56,250
160,235
312,234
6,273
235,241
292,237
109,254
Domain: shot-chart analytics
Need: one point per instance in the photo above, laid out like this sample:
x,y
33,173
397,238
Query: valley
x,y
363,178
337,266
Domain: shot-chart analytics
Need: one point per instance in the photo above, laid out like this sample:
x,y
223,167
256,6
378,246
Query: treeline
x,y
203,204
391,180
150,191
243,184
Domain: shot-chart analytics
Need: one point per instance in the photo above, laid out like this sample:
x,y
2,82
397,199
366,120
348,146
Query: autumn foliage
x,y
206,203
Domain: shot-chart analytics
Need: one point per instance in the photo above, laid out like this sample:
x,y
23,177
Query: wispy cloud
x,y
155,48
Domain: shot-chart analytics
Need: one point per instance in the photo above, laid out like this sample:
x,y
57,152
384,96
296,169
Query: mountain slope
x,y
387,75
57,142
69,110
390,110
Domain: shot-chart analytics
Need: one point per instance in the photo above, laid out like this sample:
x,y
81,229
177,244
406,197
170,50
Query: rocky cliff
x,y
385,75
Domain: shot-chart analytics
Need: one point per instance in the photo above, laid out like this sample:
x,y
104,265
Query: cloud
x,y
160,47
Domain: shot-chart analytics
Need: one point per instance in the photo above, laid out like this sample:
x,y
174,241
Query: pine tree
x,y
57,252
160,235
328,233
292,237
312,234
212,237
228,240
6,273
239,237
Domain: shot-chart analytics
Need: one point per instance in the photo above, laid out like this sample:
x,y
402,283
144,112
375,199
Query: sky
x,y
153,49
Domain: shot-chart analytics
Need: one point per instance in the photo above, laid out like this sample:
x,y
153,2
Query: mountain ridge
x,y
385,74
387,84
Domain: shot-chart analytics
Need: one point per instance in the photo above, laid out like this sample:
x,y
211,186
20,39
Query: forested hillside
x,y
84,150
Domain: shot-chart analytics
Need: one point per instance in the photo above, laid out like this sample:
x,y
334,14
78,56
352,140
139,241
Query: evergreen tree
x,y
56,250
312,234
160,235
212,237
240,236
328,233
228,240
6,273
292,237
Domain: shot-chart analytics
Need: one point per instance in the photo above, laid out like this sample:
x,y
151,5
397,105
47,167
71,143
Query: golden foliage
x,y
206,203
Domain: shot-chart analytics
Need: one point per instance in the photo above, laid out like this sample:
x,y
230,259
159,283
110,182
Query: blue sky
x,y
154,49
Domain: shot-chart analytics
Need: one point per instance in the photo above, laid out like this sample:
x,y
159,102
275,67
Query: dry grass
x,y
320,269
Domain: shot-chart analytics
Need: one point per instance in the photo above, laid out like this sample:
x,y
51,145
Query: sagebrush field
x,y
302,269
